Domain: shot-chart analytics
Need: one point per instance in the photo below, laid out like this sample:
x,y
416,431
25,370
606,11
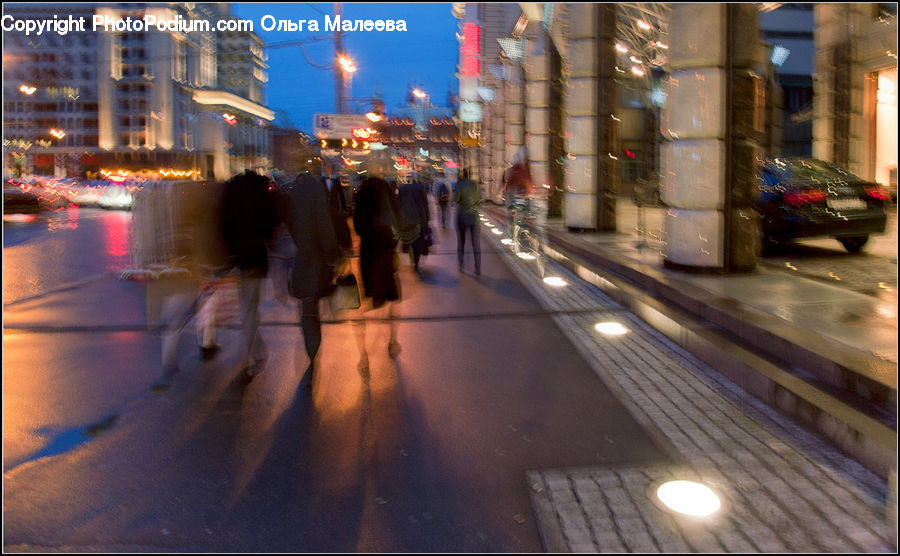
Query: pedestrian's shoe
x,y
208,352
393,349
251,368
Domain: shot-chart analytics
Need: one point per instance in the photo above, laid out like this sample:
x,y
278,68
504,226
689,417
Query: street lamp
x,y
27,89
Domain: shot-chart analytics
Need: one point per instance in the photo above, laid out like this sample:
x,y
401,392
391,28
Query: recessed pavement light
x,y
488,224
526,256
506,241
610,328
554,281
689,497
496,231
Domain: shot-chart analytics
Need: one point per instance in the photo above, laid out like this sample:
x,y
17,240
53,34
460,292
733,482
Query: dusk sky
x,y
424,55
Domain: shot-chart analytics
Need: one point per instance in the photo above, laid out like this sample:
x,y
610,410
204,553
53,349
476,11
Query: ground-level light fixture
x,y
555,281
526,256
688,498
506,241
496,231
610,328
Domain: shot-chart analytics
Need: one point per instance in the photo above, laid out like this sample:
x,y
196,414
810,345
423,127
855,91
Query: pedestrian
x,y
249,219
443,195
309,220
467,197
196,257
375,221
415,220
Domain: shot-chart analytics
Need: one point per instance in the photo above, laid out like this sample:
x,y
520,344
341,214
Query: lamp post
x,y
347,69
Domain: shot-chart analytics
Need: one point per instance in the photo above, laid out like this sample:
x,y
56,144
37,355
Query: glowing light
x,y
363,132
688,497
621,48
27,89
610,328
635,60
643,25
496,231
58,133
373,117
506,241
555,281
526,256
230,118
347,64
661,45
419,93
637,71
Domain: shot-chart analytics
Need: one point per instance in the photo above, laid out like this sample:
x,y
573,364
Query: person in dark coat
x,y
415,220
467,197
249,219
375,221
309,220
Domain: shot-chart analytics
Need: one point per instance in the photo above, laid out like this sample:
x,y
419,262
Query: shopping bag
x,y
346,293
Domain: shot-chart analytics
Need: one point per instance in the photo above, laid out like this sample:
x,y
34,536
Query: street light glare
x,y
419,93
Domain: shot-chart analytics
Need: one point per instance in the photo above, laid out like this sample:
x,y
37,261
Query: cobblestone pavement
x,y
785,490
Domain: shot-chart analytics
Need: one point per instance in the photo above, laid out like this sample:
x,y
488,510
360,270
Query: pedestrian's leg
x,y
393,344
460,242
248,294
476,249
311,324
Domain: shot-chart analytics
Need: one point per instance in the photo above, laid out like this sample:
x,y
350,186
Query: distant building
x,y
147,101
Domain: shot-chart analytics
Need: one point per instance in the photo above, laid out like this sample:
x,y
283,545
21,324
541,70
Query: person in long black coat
x,y
308,218
375,221
250,216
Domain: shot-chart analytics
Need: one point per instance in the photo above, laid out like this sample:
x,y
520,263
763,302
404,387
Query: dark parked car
x,y
805,197
18,201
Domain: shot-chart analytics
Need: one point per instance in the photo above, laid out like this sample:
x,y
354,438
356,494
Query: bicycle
x,y
526,233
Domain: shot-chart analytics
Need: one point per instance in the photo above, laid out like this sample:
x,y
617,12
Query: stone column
x,y
514,94
591,130
498,143
711,119
537,93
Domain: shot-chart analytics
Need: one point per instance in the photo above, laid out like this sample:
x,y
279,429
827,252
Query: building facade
x,y
603,96
150,101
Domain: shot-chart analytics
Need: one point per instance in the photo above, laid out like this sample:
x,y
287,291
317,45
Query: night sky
x,y
424,56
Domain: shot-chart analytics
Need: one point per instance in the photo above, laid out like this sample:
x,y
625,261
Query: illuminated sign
x,y
471,50
469,111
363,133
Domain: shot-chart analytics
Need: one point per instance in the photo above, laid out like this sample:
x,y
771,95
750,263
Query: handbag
x,y
346,290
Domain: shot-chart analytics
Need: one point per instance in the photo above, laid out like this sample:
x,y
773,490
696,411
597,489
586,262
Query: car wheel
x,y
853,244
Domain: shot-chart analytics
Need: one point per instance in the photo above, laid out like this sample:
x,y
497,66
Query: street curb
x,y
809,387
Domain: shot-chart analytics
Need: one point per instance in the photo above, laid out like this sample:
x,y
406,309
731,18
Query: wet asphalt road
x,y
426,452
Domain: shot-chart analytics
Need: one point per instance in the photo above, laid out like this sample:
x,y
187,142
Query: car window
x,y
810,170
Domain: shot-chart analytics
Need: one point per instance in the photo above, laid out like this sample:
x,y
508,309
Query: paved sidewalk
x,y
785,490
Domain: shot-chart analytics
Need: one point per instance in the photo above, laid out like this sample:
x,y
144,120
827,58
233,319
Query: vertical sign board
x,y
471,50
